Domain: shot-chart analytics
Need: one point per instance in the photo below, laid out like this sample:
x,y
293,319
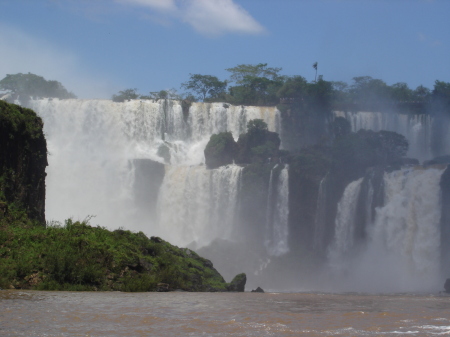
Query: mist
x,y
23,53
139,165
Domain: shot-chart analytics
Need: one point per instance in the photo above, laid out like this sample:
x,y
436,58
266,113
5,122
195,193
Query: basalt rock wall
x,y
23,158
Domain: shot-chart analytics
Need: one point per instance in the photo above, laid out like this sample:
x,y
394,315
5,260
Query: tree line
x,y
262,85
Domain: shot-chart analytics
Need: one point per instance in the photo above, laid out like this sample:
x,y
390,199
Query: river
x,y
51,314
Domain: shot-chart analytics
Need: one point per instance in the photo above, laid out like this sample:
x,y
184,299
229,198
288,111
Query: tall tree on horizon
x,y
315,67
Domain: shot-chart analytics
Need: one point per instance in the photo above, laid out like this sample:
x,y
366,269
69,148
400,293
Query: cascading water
x,y
345,225
197,205
402,252
277,229
93,145
320,219
417,129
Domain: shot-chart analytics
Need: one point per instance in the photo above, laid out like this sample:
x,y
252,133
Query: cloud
x,y
22,53
216,17
161,5
428,40
208,17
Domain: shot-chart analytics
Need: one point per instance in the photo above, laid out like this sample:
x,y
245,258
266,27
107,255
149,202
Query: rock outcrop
x,y
23,158
238,283
447,285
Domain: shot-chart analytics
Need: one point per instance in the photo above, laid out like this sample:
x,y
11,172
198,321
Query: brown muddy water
x,y
33,313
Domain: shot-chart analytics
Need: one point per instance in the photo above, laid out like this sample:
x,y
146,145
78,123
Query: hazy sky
x,y
97,47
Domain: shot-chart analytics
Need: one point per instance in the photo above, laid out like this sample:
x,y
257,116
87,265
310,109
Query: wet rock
x,y
447,285
258,290
238,283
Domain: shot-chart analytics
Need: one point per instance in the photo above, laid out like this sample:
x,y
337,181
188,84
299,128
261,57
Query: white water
x,y
320,220
345,226
91,146
417,129
197,205
277,226
403,248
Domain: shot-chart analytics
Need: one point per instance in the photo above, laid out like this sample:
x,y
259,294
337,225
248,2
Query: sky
x,y
97,47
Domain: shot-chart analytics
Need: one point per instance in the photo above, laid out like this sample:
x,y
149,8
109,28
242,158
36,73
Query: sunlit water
x,y
31,313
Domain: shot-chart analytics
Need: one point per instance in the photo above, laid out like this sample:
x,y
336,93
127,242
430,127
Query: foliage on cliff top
x,y
16,119
30,85
77,256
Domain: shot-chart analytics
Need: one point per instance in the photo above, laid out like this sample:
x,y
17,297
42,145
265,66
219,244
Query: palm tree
x,y
315,67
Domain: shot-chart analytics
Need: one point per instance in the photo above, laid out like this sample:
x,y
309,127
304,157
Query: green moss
x,y
77,256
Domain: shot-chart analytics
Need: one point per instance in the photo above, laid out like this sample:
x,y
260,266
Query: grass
x,y
76,256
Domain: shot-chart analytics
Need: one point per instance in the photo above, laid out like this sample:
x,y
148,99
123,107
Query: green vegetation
x,y
26,86
305,105
206,87
76,256
132,93
220,150
23,158
125,95
257,145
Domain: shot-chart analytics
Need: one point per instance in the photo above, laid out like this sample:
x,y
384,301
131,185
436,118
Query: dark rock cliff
x,y
23,158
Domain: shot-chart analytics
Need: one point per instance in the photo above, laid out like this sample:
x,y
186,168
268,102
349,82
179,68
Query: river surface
x,y
36,313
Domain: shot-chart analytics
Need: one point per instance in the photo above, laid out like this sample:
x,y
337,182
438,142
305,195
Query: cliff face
x,y
23,158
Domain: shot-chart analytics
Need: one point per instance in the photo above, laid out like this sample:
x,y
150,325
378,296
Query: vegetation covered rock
x,y
238,283
77,256
258,144
23,158
220,150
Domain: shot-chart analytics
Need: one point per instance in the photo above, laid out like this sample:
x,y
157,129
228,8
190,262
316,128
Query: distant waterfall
x,y
403,248
93,145
277,230
198,205
345,224
417,129
320,220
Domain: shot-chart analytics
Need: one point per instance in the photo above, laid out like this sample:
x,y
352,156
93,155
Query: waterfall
x,y
93,145
197,205
345,225
402,252
320,219
277,213
417,129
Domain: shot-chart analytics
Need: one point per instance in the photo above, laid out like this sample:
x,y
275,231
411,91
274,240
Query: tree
x,y
125,95
293,88
26,86
400,92
367,90
205,86
441,91
255,84
162,94
242,72
315,64
421,93
258,144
